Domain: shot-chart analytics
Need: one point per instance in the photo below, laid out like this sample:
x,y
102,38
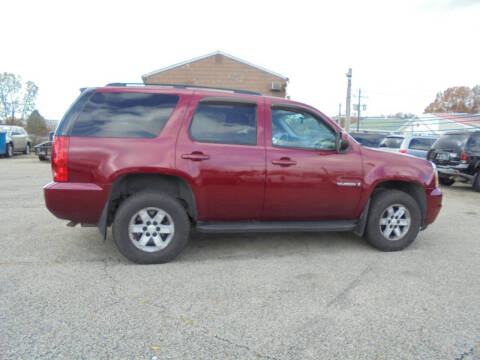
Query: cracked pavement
x,y
67,294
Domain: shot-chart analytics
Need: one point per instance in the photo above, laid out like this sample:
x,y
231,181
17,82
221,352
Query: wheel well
x,y
128,185
415,190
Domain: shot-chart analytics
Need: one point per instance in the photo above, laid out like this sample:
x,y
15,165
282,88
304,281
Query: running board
x,y
275,226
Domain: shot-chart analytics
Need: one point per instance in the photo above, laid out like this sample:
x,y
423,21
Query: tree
x,y
459,99
36,126
16,98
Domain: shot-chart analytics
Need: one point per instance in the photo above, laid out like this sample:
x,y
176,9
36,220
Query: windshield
x,y
392,142
454,142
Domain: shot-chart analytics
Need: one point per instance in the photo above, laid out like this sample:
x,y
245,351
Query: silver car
x,y
17,140
408,144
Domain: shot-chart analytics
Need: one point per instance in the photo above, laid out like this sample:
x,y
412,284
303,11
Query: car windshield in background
x,y
451,142
392,142
370,140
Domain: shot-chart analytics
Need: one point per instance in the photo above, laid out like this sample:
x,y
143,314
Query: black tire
x,y
27,149
380,203
42,158
9,150
476,183
148,199
446,181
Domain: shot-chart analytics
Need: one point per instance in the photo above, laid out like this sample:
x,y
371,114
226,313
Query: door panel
x,y
19,140
311,184
228,180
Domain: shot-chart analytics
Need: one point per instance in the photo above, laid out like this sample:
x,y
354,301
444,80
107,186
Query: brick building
x,y
219,69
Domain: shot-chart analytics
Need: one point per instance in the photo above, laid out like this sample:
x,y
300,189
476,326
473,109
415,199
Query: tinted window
x,y
370,140
453,142
392,142
225,123
66,124
300,130
473,144
421,144
127,115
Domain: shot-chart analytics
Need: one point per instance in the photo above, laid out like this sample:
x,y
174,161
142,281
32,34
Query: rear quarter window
x,y
421,144
125,115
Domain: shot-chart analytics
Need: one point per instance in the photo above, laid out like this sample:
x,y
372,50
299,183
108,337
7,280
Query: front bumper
x,y
78,202
434,204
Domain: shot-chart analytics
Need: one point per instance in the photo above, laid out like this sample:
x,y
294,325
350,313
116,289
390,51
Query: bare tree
x,y
16,98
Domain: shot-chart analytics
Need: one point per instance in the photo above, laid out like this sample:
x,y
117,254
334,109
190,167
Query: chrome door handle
x,y
284,162
195,156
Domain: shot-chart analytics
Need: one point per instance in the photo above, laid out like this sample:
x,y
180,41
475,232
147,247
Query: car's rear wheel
x,y
445,181
27,149
151,228
9,150
394,220
476,182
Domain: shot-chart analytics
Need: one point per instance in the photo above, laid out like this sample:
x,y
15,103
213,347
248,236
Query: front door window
x,y
300,130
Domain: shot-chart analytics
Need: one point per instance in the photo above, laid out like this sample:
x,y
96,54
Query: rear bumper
x,y
455,172
78,202
434,204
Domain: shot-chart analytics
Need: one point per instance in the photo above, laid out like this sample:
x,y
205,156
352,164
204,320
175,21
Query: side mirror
x,y
342,143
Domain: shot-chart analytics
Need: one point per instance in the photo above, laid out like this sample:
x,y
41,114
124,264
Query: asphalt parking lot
x,y
67,294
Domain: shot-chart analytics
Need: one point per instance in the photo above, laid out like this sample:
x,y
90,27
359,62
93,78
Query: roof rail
x,y
184,86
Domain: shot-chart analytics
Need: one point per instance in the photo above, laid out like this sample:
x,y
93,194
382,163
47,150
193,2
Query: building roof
x,y
381,123
467,120
209,55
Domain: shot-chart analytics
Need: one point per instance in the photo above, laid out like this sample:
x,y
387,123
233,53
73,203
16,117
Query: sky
x,y
401,52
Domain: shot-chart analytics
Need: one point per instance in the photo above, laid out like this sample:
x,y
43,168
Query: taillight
x,y
60,158
403,151
464,157
430,155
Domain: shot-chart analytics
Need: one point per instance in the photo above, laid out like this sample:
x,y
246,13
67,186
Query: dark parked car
x,y
457,156
157,161
44,149
368,138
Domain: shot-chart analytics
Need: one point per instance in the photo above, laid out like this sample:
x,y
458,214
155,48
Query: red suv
x,y
157,161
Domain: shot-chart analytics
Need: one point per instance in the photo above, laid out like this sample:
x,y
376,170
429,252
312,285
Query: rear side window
x,y
225,123
421,144
392,142
125,115
473,144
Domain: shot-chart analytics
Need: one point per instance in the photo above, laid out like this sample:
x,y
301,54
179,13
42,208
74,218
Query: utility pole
x,y
349,97
358,106
339,114
358,113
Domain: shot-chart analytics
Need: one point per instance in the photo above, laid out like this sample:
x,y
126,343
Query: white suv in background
x,y
17,140
417,146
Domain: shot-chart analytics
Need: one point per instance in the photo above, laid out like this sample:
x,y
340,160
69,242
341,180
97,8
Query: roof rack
x,y
184,86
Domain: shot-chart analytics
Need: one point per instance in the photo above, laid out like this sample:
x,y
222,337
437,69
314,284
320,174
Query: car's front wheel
x,y
394,220
27,149
151,228
9,150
